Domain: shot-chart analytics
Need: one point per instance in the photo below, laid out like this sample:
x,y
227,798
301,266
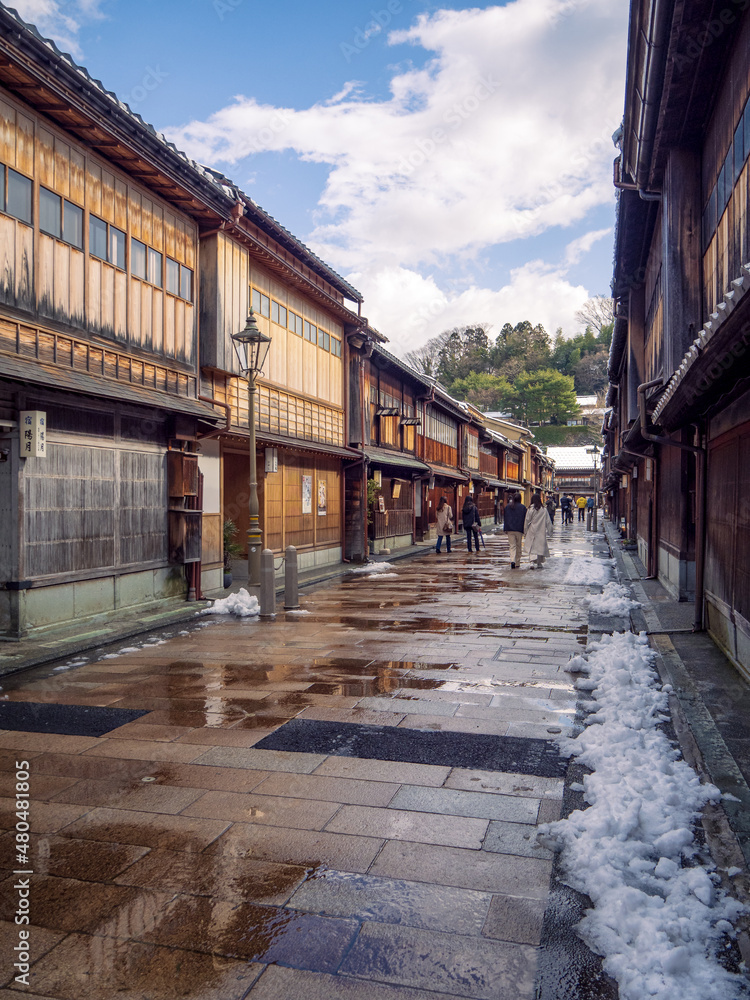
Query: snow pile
x,y
613,600
586,571
379,567
658,917
240,604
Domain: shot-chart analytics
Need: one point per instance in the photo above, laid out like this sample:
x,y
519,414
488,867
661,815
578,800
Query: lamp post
x,y
594,452
251,347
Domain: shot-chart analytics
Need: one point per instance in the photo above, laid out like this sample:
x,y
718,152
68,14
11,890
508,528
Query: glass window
x,y
274,311
298,325
186,283
336,347
50,212
154,267
324,340
117,247
73,224
282,315
265,306
97,237
138,258
746,128
256,301
739,150
2,187
19,196
173,276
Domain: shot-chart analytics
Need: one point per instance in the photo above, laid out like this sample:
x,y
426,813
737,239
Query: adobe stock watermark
x,y
699,41
224,7
362,36
22,886
455,116
151,80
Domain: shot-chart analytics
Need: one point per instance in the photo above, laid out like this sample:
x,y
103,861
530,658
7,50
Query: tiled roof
x,y
571,458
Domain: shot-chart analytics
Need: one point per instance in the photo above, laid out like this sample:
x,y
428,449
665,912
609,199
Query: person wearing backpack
x,y
470,517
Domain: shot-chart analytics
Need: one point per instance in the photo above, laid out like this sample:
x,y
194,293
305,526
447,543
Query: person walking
x,y
445,525
565,508
551,508
581,505
470,517
537,529
513,523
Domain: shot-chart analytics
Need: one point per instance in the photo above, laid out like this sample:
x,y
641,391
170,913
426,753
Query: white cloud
x,y
59,20
503,134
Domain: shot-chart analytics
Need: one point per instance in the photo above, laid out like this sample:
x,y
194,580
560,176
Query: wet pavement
x,y
335,804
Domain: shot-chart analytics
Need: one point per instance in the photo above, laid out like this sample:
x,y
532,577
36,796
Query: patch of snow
x,y
585,571
369,568
241,604
298,611
657,922
613,600
381,576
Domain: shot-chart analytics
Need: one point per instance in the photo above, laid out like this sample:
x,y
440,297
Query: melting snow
x,y
613,600
241,604
658,917
586,571
370,568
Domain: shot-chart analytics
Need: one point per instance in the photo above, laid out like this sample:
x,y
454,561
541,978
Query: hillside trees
x,y
521,371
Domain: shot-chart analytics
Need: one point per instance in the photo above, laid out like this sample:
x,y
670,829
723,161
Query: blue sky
x,y
453,162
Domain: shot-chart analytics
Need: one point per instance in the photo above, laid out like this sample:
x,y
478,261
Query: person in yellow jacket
x,y
581,505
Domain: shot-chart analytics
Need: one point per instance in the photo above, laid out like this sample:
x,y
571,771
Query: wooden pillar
x,y
681,255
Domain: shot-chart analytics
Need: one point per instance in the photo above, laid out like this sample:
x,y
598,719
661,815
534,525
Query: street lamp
x,y
251,347
594,451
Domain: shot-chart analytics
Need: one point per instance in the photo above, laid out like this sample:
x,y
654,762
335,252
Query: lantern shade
x,y
251,346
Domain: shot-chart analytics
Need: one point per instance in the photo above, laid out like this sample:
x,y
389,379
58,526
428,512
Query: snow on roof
x,y
571,458
586,400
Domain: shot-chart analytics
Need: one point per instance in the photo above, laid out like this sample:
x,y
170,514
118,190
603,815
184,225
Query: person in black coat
x,y
513,524
470,517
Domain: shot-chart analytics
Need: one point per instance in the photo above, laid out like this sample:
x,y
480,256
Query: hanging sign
x,y
33,426
307,494
322,508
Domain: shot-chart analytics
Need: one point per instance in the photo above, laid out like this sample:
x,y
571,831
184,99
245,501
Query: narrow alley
x,y
339,803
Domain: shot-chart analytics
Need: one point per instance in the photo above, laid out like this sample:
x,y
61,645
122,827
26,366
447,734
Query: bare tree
x,y
597,312
425,359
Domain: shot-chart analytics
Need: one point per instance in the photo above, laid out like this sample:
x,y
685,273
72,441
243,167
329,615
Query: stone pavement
x,y
335,804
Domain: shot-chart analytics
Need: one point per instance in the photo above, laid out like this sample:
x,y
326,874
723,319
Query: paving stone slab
x,y
467,967
457,802
393,901
498,753
278,983
399,824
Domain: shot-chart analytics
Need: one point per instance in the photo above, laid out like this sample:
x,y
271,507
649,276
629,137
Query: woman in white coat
x,y
537,529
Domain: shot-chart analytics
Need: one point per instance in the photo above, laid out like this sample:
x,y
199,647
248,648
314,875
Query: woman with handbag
x,y
444,524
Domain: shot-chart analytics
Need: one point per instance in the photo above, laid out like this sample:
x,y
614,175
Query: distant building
x,y
575,470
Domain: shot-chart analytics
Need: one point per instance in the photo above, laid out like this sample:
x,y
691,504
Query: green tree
x,y
590,373
485,391
522,342
544,396
466,349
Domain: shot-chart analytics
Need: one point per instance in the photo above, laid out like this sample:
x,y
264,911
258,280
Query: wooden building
x,y
126,267
678,434
301,303
100,412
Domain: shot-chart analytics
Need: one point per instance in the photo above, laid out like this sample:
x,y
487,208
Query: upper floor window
x,y
311,332
335,347
179,280
60,218
137,258
154,274
261,303
106,242
15,194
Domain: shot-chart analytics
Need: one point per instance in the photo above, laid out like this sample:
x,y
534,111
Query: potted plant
x,y
232,549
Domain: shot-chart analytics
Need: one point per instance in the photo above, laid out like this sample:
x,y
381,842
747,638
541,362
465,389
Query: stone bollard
x,y
588,520
291,579
267,585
